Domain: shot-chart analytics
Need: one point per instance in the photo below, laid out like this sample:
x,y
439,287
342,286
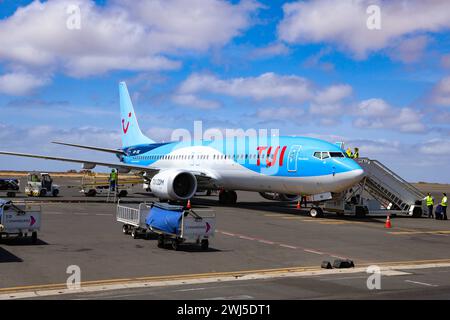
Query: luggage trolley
x,y
173,224
19,220
133,219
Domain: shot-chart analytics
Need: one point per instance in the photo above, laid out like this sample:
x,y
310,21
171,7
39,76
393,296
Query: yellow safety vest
x,y
444,202
113,176
429,201
356,155
349,153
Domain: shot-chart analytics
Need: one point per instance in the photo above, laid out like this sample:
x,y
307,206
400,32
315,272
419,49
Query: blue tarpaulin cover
x,y
166,218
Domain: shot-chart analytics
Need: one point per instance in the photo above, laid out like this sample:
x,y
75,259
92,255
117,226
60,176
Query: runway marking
x,y
313,251
53,213
269,242
422,283
226,233
246,238
81,214
266,241
287,246
188,279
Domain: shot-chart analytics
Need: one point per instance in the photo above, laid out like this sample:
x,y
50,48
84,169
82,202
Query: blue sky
x,y
232,64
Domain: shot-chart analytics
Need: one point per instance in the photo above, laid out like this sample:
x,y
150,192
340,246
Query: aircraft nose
x,y
356,175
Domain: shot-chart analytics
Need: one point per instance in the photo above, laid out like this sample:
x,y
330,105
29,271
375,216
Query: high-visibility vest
x,y
430,201
356,155
444,202
113,176
349,153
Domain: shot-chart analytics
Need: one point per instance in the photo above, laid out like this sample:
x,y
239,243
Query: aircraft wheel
x,y
34,237
315,212
205,244
228,197
175,245
160,241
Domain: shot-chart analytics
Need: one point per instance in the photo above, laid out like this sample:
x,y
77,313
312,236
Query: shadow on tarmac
x,y
6,256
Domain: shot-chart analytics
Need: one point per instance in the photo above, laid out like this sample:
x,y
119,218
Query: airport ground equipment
x,y
19,220
172,224
41,185
388,193
94,185
10,187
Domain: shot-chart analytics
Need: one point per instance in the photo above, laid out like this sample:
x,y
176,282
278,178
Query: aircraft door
x,y
293,156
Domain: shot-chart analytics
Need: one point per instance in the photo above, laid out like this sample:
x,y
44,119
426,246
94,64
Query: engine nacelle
x,y
174,185
279,196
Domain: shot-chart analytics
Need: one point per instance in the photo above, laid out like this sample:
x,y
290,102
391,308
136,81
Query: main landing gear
x,y
227,197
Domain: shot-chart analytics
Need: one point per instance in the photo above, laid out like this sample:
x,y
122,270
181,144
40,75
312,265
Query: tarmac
x,y
262,250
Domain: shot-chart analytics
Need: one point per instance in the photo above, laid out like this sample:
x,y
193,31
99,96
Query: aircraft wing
x,y
89,164
115,151
202,178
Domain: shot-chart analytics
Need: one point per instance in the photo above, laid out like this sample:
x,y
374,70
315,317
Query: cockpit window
x,y
325,155
336,154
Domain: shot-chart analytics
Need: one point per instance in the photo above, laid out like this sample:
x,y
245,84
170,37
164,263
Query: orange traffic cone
x,y
388,223
188,204
298,204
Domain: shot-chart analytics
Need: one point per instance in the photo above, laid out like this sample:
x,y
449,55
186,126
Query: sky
x,y
373,74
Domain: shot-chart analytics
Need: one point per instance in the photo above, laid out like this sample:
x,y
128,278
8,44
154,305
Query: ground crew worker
x,y
444,206
356,154
349,153
430,203
113,178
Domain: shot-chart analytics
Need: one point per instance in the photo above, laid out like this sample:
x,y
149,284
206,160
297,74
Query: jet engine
x,y
174,185
279,196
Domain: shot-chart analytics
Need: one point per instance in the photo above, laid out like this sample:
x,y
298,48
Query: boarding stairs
x,y
392,191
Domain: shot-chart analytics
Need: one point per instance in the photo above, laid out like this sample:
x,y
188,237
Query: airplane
x,y
285,166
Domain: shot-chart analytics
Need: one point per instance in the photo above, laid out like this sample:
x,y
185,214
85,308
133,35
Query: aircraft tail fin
x,y
131,133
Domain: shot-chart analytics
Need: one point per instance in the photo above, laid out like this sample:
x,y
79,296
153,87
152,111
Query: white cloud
x,y
436,147
275,49
441,92
378,114
409,50
121,35
284,113
333,94
344,23
193,101
266,86
20,83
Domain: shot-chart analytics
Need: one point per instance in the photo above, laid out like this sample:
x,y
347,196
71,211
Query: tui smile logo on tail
x,y
125,128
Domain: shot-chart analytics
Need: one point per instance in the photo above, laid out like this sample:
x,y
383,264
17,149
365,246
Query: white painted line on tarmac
x,y
247,238
422,283
287,246
266,241
313,251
